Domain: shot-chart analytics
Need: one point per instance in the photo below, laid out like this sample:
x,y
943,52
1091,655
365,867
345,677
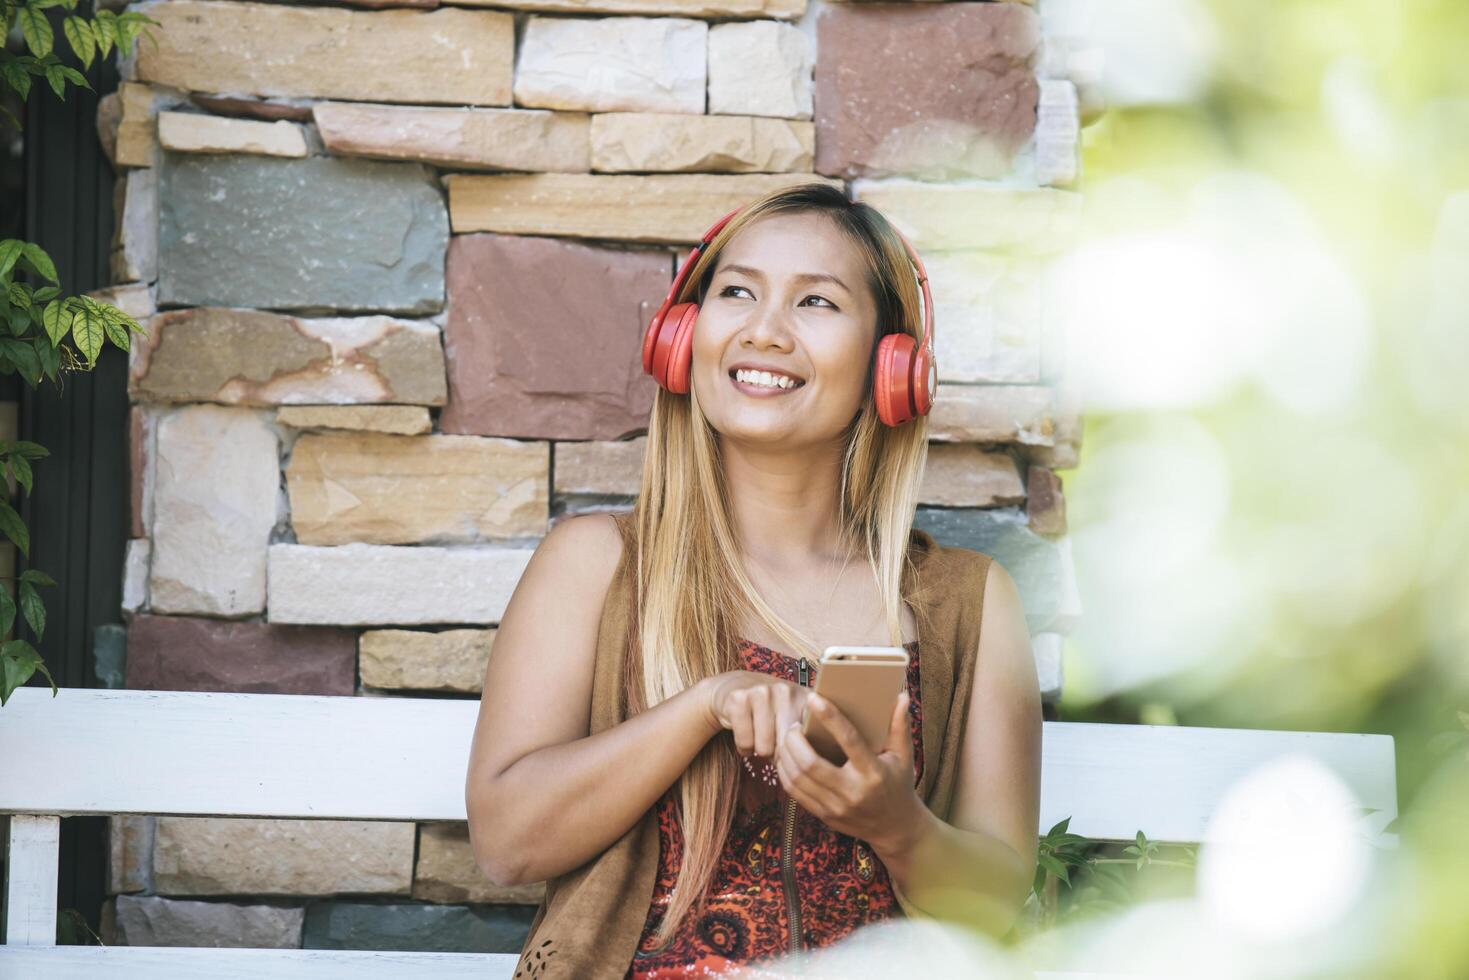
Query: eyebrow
x,y
802,277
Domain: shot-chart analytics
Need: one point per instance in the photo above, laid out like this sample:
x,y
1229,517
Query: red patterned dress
x,y
761,906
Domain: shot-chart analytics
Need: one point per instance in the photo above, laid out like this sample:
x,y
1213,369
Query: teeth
x,y
765,378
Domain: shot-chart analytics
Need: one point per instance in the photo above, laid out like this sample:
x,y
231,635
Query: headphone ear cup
x,y
680,348
890,382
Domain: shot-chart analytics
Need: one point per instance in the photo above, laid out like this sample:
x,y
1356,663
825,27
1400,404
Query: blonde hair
x,y
691,587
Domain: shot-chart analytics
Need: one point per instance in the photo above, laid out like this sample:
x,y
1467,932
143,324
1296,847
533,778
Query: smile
x,y
758,390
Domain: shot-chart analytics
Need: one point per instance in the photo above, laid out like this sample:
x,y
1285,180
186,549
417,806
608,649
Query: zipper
x,y
788,840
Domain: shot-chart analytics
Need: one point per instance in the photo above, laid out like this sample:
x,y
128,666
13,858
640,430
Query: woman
x,y
638,744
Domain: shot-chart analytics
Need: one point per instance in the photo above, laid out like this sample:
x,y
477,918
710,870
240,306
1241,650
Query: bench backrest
x,y
89,751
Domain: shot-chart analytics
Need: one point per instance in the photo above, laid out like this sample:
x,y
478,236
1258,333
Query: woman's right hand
x,y
756,707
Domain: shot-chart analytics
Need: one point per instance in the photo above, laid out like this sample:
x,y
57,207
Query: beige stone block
x,y
785,9
673,208
264,856
993,414
971,214
137,130
196,132
129,853
256,357
601,467
490,139
600,64
435,489
447,871
403,420
146,920
419,660
1057,133
988,311
671,142
761,68
964,475
445,56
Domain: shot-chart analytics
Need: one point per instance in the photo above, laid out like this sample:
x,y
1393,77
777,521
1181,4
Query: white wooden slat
x,y
91,751
212,963
171,752
32,849
1114,780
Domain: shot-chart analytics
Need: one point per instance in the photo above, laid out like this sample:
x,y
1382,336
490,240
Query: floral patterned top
x,y
833,885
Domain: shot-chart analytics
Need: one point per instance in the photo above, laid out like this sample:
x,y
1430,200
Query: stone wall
x,y
395,263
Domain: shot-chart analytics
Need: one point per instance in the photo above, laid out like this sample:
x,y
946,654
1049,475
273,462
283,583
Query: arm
x,y
978,868
542,795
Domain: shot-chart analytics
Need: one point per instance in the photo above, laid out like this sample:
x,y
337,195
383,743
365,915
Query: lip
x,y
756,391
752,366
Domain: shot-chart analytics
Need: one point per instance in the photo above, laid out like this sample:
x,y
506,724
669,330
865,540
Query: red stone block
x,y
186,653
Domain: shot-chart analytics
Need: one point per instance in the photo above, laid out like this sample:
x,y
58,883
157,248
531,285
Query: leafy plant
x,y
36,320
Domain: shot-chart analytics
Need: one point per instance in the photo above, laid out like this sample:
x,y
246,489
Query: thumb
x,y
899,740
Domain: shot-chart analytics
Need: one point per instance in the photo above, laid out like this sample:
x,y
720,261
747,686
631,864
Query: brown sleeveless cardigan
x,y
591,918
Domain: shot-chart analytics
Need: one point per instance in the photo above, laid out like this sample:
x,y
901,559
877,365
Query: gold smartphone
x,y
863,682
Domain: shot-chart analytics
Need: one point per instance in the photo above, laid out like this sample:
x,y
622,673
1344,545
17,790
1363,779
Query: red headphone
x,y
904,377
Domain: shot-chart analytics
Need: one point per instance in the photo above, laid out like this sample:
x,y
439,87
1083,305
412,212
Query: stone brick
x,y
931,90
265,856
196,132
599,64
492,139
1045,507
135,564
600,467
987,314
419,660
1043,570
963,215
137,131
417,927
129,853
266,110
447,872
403,420
135,246
310,235
545,337
1047,648
183,653
992,414
254,357
676,208
439,489
214,507
142,426
327,52
367,584
787,9
673,141
760,68
147,920
963,475
1057,134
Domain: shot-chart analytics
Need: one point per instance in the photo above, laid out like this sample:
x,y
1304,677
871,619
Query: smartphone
x,y
863,682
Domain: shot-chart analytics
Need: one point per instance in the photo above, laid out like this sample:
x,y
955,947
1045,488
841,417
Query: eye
x,y
726,289
823,299
726,292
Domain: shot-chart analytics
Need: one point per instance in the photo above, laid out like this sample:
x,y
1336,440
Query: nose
x,y
768,326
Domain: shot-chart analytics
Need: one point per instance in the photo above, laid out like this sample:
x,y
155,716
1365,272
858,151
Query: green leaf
x,y
104,26
36,29
45,294
13,71
79,35
21,467
87,330
1055,867
57,81
11,249
30,450
49,357
14,528
36,256
7,612
23,356
56,321
36,577
32,608
18,661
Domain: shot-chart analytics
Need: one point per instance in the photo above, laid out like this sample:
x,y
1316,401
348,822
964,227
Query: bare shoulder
x,y
584,549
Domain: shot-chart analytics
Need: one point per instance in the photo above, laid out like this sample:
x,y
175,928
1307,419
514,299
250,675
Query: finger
x,y
796,780
859,754
807,763
741,723
762,717
900,738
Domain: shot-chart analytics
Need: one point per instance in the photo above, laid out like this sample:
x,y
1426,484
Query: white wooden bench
x,y
94,752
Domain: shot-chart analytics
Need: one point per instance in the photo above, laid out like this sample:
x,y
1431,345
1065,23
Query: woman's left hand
x,y
870,796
